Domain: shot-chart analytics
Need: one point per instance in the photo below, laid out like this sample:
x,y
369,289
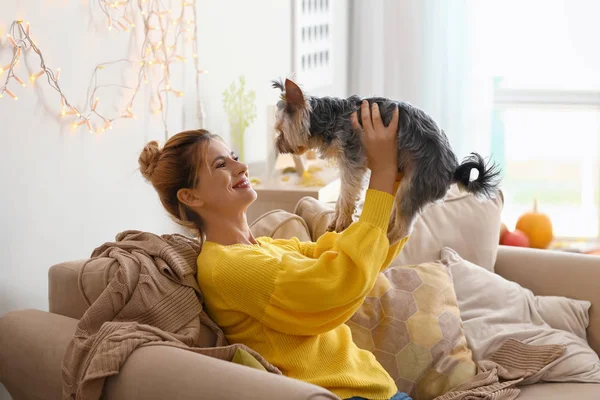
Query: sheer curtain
x,y
424,52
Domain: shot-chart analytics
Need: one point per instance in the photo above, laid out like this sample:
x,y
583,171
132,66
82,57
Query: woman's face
x,y
224,186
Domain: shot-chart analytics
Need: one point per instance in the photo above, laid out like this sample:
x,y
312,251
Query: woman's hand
x,y
380,144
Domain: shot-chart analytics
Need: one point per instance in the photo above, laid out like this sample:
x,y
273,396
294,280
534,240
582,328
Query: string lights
x,y
167,32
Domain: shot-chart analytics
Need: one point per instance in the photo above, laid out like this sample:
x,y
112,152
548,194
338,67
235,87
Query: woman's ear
x,y
189,198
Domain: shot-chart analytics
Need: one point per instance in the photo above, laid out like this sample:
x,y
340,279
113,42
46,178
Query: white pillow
x,y
461,221
494,309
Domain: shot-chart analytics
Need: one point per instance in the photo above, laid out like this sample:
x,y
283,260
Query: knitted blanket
x,y
153,299
498,376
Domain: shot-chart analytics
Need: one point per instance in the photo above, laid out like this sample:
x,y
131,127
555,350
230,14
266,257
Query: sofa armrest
x,y
164,372
70,296
555,273
33,343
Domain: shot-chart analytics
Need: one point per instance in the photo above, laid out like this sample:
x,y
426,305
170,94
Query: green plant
x,y
240,106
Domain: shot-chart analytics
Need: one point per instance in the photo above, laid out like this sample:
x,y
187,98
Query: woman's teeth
x,y
244,184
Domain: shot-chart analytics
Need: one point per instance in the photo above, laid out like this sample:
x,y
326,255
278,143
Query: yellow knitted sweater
x,y
289,300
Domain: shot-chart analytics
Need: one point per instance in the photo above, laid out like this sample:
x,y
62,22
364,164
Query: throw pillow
x,y
461,221
494,309
411,322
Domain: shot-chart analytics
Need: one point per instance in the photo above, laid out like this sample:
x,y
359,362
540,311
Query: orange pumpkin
x,y
537,226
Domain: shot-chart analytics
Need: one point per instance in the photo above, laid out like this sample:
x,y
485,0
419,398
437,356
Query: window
x,y
546,118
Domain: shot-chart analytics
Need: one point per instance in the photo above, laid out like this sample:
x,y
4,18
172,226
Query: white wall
x,y
253,38
63,194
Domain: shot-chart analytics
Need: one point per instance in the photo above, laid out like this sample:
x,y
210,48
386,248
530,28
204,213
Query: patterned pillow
x,y
411,322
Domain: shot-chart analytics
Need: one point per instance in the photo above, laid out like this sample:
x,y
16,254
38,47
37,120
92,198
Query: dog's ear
x,y
293,94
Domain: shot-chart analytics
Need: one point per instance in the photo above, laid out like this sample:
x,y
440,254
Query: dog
x,y
425,157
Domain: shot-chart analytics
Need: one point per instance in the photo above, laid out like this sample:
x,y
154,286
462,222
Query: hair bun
x,y
148,159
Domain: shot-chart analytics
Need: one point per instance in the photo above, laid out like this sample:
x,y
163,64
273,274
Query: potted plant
x,y
240,106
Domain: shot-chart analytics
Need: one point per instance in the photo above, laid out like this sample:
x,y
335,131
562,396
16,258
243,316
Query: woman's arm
x,y
298,295
327,240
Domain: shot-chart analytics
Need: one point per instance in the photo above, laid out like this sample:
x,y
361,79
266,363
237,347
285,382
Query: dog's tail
x,y
486,184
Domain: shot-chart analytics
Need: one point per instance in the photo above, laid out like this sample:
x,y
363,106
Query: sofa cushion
x,y
494,309
280,224
463,222
560,391
411,322
316,214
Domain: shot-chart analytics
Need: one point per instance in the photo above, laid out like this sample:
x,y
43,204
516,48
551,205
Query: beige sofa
x,y
32,342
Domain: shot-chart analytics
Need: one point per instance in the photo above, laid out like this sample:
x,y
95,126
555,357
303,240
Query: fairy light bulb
x,y
76,125
57,74
11,94
95,104
34,77
11,40
19,80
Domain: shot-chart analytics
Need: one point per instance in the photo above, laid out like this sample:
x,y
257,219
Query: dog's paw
x,y
331,226
342,222
394,236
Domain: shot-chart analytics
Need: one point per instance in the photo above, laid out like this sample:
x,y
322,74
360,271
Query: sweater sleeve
x,y
326,241
305,296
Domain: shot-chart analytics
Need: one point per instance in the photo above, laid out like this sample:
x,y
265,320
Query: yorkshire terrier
x,y
425,156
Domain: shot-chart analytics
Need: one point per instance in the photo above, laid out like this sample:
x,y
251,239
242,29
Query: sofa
x,y
32,342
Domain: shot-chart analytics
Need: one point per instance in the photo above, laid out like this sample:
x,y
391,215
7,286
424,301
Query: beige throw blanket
x,y
498,376
153,299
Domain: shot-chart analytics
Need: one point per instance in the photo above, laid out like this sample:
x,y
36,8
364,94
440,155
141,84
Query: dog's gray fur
x,y
425,156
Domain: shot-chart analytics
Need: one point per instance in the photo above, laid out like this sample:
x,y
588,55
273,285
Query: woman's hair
x,y
175,167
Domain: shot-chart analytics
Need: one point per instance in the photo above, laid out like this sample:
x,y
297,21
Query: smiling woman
x,y
197,177
288,300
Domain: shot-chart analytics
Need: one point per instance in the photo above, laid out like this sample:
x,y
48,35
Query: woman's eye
x,y
236,158
221,165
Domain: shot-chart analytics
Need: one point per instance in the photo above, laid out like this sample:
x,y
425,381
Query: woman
x,y
285,299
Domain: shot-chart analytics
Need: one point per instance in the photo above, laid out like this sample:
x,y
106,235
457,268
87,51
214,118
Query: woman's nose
x,y
241,168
